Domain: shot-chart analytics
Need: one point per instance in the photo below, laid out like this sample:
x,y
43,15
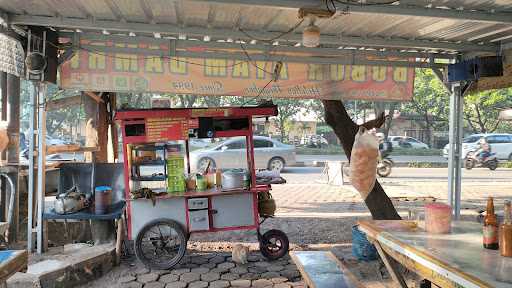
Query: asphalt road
x,y
308,159
301,175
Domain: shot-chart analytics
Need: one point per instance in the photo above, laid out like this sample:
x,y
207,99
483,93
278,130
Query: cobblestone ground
x,y
314,216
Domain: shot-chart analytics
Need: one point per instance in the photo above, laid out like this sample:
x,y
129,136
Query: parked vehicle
x,y
406,142
268,153
474,160
501,145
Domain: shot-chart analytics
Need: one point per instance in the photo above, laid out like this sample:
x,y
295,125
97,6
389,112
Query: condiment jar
x,y
438,218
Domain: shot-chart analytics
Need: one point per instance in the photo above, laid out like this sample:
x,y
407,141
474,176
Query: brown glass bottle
x,y
490,229
505,232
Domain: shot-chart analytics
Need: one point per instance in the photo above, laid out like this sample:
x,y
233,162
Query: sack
x,y
70,202
4,138
363,162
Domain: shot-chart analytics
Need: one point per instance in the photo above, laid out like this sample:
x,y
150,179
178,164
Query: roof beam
x,y
166,29
223,46
442,13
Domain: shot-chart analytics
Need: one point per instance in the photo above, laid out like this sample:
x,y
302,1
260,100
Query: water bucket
x,y
362,249
102,199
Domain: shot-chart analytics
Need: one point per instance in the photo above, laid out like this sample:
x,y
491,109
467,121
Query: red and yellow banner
x,y
121,72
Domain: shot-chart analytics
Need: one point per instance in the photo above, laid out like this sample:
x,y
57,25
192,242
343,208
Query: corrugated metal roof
x,y
205,16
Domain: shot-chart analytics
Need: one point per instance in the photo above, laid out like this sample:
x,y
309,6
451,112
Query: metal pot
x,y
235,179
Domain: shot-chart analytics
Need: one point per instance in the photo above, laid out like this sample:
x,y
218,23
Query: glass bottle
x,y
505,232
490,229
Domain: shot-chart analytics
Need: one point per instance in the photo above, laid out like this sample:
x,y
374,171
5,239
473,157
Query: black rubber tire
x,y
269,246
212,165
493,165
384,170
469,164
276,159
181,250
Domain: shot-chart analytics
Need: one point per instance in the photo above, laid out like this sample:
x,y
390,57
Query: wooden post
x,y
3,186
103,124
13,130
113,140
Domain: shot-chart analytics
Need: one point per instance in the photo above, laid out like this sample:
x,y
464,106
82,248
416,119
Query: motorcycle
x,y
474,160
384,166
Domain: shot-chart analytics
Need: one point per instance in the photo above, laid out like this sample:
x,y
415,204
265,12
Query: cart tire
x,y
274,244
152,243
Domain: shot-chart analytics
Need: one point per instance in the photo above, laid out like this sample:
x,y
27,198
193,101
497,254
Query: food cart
x,y
163,208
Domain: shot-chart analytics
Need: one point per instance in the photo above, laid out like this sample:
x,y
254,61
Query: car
x,y
268,153
406,142
501,144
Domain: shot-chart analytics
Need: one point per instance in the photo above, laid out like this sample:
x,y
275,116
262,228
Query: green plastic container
x,y
201,183
176,184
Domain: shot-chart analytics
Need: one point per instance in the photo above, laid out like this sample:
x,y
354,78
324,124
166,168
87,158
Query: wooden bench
x,y
322,269
11,261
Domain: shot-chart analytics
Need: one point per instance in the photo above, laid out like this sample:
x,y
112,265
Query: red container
x,y
438,218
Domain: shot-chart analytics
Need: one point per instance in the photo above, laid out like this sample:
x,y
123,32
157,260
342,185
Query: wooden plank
x,y
12,261
390,266
319,269
94,96
69,149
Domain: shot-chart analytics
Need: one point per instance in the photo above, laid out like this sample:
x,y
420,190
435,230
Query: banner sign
x,y
121,72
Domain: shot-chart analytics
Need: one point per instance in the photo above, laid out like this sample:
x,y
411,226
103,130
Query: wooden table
x,y
450,260
11,261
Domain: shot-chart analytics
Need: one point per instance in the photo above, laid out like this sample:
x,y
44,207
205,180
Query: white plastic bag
x,y
4,138
363,161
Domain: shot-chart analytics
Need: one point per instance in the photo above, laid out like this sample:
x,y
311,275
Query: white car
x,y
268,153
406,142
501,144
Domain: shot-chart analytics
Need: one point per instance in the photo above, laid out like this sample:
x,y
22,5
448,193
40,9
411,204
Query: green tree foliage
x,y
430,101
481,110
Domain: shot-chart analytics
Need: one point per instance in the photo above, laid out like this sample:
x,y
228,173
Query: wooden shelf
x,y
149,163
149,178
206,193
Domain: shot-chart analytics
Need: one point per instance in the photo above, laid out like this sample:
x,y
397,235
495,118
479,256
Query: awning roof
x,y
439,26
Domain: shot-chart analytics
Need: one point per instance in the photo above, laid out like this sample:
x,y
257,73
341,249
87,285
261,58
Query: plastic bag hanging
x,y
363,161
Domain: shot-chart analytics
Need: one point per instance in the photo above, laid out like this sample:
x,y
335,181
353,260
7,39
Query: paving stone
x,y
154,285
198,284
127,279
178,284
217,259
250,276
180,271
229,259
282,285
219,270
263,264
146,278
141,270
190,265
275,268
219,284
241,283
210,255
254,258
161,272
226,265
290,267
297,284
200,270
132,284
239,270
168,278
229,276
290,274
261,283
257,269
270,275
190,277
279,280
199,260
208,265
210,276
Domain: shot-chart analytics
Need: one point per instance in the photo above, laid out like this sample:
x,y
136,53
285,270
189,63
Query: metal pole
x,y
458,146
3,187
41,157
455,152
31,166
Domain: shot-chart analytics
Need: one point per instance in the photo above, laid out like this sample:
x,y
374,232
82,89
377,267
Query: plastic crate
x,y
176,183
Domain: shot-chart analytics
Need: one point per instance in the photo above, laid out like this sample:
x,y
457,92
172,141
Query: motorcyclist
x,y
385,146
484,149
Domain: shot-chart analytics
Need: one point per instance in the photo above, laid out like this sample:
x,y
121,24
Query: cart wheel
x,y
274,244
161,244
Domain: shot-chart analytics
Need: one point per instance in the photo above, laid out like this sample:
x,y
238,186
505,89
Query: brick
x,y
168,278
180,271
178,284
146,278
219,284
241,283
190,277
229,276
261,283
126,279
154,285
211,276
198,284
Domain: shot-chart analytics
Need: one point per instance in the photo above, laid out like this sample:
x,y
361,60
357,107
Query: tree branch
x,y
375,123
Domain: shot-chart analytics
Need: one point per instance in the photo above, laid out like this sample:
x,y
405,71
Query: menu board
x,y
164,129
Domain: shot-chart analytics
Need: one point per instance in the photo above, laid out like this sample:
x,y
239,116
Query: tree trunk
x,y
336,116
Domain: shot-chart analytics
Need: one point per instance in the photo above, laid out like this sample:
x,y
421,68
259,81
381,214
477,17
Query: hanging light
x,y
311,34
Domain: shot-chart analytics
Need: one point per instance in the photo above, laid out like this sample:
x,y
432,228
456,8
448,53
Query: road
x,y
309,159
308,175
